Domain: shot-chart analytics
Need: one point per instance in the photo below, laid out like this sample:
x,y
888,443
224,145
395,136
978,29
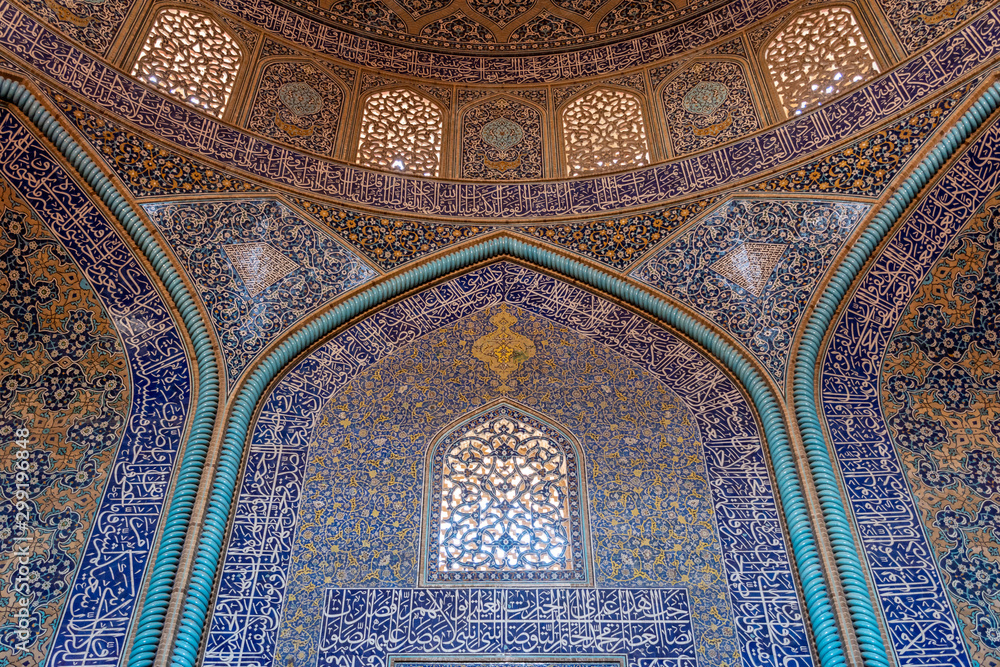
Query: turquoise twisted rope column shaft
x,y
849,565
211,544
161,581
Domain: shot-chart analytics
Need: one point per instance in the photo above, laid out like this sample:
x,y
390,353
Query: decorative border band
x,y
835,516
161,582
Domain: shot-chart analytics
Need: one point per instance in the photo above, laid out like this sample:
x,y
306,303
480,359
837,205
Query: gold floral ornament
x,y
503,350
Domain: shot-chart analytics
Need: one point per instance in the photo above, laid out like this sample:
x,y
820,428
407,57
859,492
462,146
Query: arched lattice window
x,y
401,131
817,56
504,503
604,131
190,56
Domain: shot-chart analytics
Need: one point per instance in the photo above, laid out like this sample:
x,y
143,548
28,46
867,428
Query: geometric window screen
x,y
604,131
817,56
401,131
504,504
191,57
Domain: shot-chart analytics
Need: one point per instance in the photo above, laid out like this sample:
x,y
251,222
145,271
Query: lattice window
x,y
817,56
505,503
604,130
190,56
401,131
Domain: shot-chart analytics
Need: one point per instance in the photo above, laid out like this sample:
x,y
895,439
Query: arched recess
x,y
502,138
297,102
830,648
709,102
468,474
143,627
373,421
633,142
419,152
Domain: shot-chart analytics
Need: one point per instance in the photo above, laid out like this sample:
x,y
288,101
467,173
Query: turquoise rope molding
x,y
803,388
161,581
211,543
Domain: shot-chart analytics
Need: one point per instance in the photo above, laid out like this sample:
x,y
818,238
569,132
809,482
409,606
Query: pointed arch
x,y
505,502
401,130
190,56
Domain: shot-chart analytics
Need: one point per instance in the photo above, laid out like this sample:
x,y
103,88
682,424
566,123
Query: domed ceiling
x,y
500,25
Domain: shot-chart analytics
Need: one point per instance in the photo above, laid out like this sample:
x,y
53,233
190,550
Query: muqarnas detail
x,y
298,104
502,140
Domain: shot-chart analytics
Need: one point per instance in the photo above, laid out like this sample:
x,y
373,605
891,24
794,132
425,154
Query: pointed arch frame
x,y
581,486
210,540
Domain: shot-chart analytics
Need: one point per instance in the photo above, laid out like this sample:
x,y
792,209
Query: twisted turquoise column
x,y
161,582
211,543
849,566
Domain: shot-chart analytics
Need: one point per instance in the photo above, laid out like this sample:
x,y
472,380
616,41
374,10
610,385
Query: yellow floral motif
x,y
503,350
940,399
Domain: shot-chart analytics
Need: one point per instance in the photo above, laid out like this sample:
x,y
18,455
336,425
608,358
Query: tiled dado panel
x,y
90,570
926,74
879,464
750,589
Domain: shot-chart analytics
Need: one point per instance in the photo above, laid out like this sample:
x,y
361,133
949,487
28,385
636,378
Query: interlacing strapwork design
x,y
191,57
401,131
604,131
817,56
505,492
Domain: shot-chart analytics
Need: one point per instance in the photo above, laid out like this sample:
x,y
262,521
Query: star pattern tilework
x,y
812,231
309,268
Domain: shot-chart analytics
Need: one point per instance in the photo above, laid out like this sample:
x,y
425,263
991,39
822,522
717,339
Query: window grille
x,y
817,56
191,57
604,131
505,503
401,131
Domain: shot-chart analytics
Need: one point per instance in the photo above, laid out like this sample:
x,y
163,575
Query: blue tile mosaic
x,y
882,472
507,69
258,267
897,90
723,269
101,595
749,589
